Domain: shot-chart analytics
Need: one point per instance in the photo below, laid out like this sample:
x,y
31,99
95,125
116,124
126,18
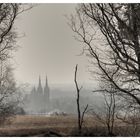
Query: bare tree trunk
x,y
78,100
80,114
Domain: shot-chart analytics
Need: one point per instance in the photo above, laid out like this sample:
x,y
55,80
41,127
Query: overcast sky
x,y
48,47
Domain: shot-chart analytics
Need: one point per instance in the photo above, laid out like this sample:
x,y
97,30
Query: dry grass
x,y
62,125
36,125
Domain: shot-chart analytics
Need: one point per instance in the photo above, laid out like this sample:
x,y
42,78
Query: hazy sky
x,y
48,46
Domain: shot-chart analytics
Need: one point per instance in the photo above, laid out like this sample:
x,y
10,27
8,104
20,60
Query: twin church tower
x,y
38,101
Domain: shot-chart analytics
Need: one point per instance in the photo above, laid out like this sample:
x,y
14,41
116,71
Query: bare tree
x,y
110,34
8,14
106,114
9,92
130,117
80,114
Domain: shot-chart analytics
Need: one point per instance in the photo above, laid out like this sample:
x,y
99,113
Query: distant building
x,y
38,101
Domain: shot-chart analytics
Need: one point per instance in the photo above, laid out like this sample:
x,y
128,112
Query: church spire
x,y
39,81
46,95
46,88
39,89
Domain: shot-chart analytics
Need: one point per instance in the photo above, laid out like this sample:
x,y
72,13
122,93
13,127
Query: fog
x,y
47,48
63,99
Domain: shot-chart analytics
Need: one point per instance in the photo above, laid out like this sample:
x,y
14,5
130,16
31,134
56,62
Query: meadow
x,y
61,126
32,125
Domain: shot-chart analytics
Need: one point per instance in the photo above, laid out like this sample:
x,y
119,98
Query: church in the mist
x,y
38,101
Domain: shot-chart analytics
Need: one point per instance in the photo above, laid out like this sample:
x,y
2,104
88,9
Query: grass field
x,y
39,126
42,125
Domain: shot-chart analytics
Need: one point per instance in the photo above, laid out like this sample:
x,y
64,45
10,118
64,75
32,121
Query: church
x,y
38,101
